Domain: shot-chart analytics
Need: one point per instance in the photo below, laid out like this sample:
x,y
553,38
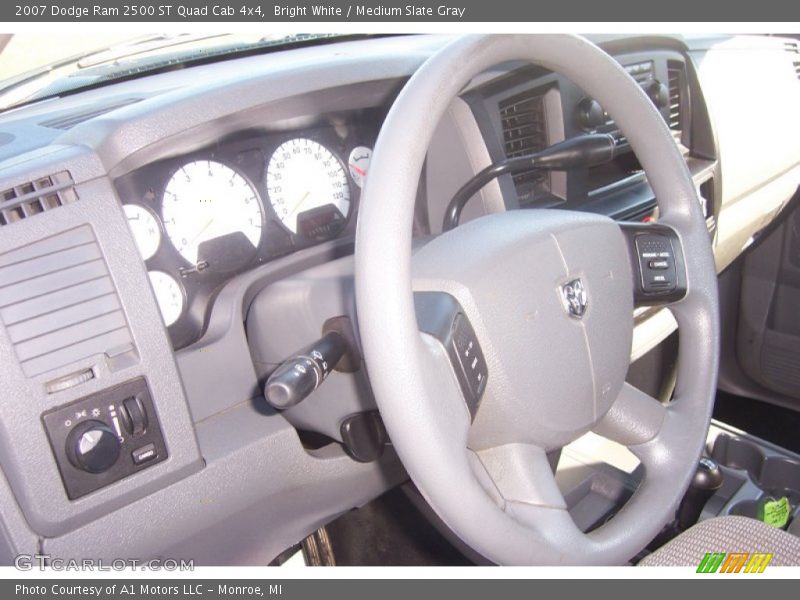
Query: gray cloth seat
x,y
726,534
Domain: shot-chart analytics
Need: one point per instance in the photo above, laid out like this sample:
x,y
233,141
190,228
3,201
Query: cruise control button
x,y
656,263
144,454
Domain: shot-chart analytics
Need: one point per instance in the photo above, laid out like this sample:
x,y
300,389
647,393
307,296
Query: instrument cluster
x,y
199,219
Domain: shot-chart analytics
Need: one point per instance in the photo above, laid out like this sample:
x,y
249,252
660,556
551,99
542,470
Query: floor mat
x,y
780,426
390,531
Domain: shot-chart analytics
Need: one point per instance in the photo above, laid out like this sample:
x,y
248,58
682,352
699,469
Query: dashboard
x,y
166,242
249,197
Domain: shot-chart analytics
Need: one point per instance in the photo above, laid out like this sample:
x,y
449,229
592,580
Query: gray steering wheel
x,y
551,377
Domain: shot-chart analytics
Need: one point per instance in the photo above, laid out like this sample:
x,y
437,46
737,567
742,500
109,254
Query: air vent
x,y
525,132
677,91
641,72
59,304
34,197
69,120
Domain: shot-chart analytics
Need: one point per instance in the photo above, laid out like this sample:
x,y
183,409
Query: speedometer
x,y
307,183
205,200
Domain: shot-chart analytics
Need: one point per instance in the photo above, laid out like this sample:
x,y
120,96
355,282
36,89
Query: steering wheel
x,y
543,301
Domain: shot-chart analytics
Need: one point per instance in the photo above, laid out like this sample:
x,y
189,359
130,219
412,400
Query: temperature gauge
x,y
145,229
358,163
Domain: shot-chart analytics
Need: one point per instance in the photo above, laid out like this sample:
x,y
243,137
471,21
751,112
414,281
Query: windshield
x,y
36,66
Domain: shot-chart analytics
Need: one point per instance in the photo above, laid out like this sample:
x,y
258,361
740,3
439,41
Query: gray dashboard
x,y
235,482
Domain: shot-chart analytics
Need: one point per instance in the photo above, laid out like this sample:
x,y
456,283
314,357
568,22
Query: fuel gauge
x,y
358,163
169,296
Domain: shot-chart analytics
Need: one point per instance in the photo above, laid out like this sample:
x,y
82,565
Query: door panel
x,y
768,340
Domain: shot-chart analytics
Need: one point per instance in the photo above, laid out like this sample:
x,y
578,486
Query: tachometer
x,y
205,200
305,177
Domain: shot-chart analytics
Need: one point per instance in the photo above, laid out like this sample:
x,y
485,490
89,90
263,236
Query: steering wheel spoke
x,y
657,263
634,418
521,475
520,479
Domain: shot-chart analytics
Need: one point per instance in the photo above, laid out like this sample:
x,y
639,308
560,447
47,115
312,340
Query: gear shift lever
x,y
707,480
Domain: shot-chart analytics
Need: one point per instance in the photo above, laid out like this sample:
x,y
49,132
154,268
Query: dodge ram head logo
x,y
573,294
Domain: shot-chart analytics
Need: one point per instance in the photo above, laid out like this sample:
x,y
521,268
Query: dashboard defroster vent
x,y
524,125
69,120
34,197
58,303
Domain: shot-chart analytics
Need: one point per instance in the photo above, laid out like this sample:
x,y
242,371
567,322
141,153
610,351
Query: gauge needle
x,y
201,232
296,206
358,170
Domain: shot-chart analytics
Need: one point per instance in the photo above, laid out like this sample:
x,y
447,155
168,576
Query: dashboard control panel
x,y
104,437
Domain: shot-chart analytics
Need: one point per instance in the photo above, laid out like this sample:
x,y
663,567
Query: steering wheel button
x,y
441,316
656,263
470,357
